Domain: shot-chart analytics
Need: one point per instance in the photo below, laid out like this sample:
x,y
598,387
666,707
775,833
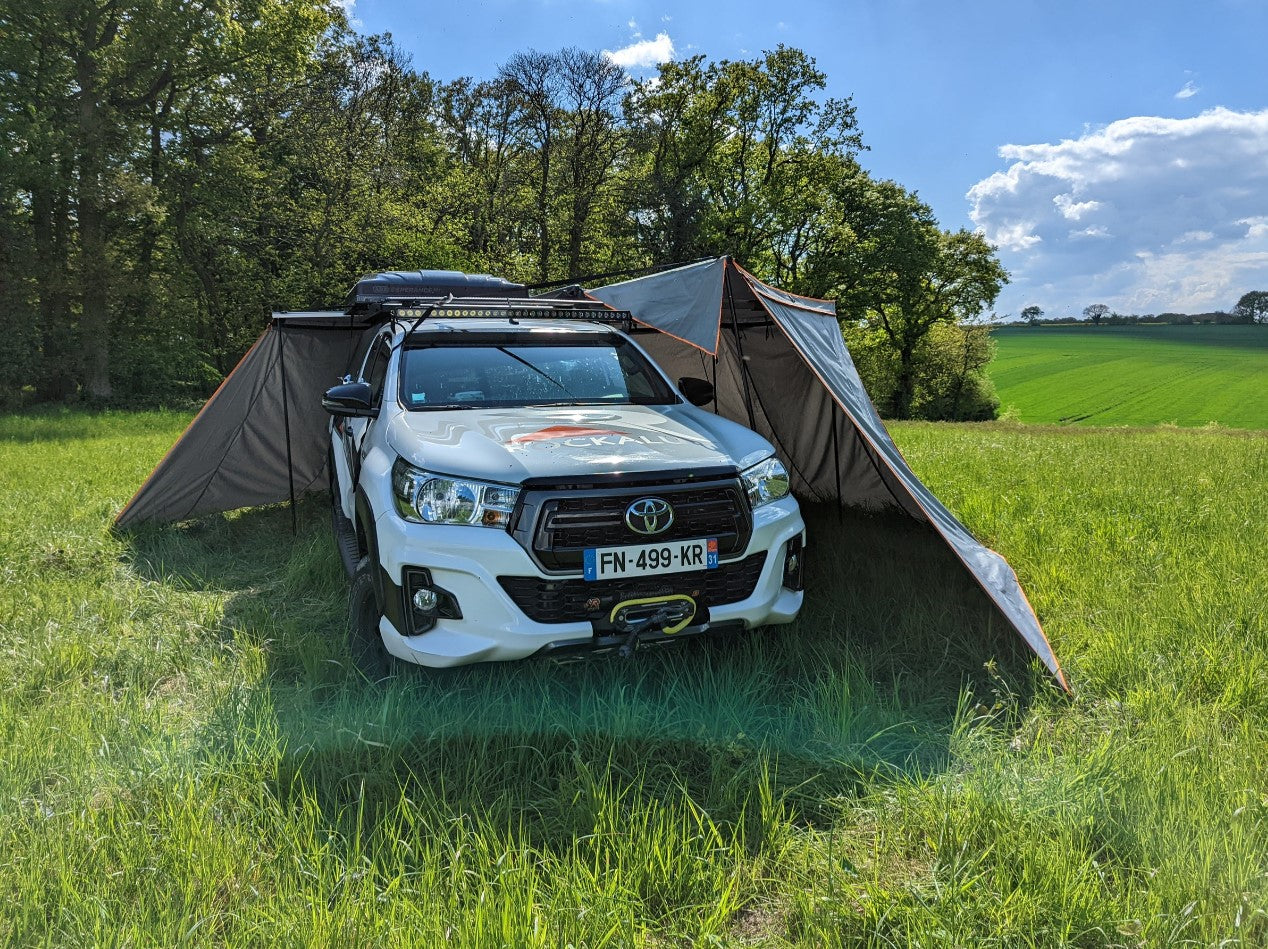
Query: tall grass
x,y
187,758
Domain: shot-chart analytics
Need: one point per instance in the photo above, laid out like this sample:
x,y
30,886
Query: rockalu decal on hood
x,y
511,444
577,437
559,432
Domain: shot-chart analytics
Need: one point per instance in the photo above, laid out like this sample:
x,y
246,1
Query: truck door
x,y
354,430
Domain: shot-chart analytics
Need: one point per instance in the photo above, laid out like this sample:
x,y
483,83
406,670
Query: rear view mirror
x,y
696,391
349,400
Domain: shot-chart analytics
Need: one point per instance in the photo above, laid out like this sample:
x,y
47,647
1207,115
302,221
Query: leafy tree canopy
x,y
176,169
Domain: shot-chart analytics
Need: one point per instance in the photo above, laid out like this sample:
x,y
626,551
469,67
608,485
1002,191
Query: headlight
x,y
765,482
428,498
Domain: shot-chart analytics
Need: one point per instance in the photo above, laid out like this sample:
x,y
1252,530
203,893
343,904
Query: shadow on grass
x,y
871,680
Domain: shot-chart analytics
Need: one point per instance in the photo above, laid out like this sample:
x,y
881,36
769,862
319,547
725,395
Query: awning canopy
x,y
778,363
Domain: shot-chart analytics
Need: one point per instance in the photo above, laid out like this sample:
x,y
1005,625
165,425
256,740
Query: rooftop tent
x,y
780,366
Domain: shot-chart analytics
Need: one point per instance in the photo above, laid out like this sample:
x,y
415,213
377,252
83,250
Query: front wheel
x,y
365,642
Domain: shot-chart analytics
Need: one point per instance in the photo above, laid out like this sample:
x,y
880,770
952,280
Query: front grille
x,y
570,523
567,601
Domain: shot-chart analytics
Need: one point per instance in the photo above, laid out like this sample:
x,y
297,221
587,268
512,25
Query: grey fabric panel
x,y
685,303
676,358
791,409
810,430
818,337
822,307
234,454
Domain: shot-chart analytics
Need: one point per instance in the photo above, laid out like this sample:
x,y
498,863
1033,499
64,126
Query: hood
x,y
510,445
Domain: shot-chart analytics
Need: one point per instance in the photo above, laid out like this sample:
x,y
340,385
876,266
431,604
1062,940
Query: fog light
x,y
794,562
425,602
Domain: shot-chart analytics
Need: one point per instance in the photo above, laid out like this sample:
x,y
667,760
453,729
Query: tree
x,y
593,142
1095,311
676,123
893,267
738,158
949,370
100,65
482,194
1253,307
764,176
1031,314
534,80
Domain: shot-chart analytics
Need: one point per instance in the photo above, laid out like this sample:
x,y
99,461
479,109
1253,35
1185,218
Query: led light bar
x,y
514,311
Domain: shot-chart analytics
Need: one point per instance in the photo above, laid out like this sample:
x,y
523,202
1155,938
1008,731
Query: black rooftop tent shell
x,y
428,284
778,362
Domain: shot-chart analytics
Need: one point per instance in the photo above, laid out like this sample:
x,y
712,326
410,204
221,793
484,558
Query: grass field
x,y
1133,375
186,759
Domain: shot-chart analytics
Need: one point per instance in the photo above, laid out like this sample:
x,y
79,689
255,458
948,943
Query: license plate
x,y
607,563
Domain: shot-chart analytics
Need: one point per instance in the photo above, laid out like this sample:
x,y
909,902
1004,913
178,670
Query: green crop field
x,y
187,759
1133,375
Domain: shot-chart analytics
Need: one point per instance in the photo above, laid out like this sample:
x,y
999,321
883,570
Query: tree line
x,y
175,169
1251,308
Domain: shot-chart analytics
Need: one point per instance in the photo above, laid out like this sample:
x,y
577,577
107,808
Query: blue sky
x,y
1116,152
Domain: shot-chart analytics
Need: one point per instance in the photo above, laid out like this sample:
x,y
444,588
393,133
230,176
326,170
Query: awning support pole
x,y
836,459
286,423
739,344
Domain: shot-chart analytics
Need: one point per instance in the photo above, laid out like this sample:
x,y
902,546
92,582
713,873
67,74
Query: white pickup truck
x,y
506,487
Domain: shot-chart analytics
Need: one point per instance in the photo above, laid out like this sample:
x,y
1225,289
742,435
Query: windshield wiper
x,y
545,375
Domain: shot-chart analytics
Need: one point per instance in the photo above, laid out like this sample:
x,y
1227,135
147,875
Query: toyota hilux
x,y
505,487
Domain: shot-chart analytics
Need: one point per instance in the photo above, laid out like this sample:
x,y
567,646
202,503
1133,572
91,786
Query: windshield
x,y
468,374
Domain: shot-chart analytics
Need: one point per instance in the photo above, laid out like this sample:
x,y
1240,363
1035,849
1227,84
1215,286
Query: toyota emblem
x,y
649,516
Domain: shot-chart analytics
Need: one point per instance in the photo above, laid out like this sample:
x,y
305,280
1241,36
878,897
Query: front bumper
x,y
467,561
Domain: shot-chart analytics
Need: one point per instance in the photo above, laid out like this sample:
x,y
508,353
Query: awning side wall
x,y
234,452
817,337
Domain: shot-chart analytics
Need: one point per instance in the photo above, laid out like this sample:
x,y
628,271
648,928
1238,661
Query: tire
x,y
365,643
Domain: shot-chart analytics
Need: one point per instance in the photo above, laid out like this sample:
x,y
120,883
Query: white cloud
x,y
1167,214
1256,227
1018,236
643,54
1072,210
1188,91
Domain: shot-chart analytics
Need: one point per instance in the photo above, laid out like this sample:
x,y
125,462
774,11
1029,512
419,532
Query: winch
x,y
667,614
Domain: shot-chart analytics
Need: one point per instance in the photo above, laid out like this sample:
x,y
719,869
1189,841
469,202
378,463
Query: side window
x,y
639,386
375,370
